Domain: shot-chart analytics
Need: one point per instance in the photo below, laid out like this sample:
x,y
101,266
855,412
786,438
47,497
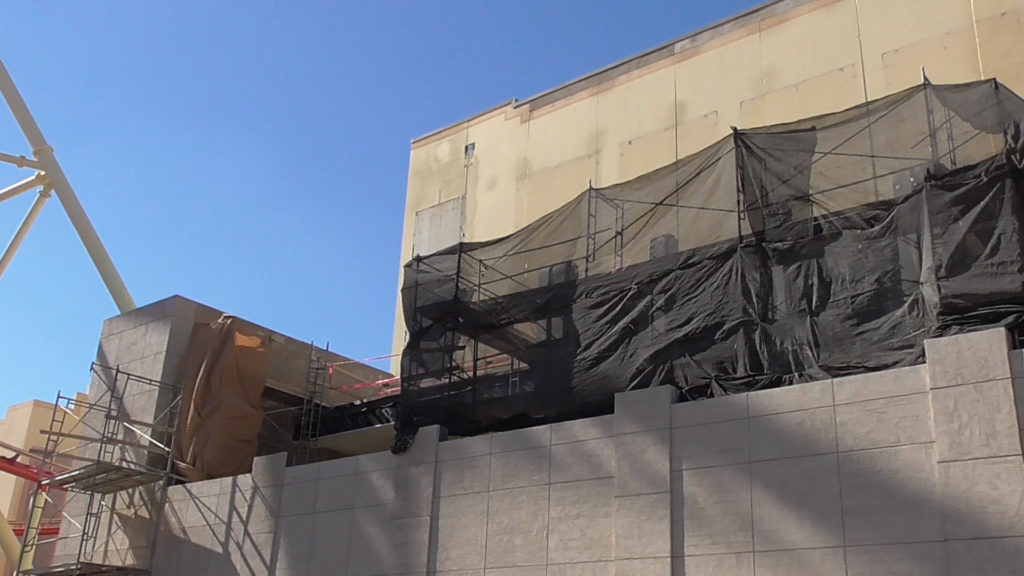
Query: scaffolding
x,y
317,375
825,247
120,438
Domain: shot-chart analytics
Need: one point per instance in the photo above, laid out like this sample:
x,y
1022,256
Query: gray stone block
x,y
423,449
975,421
203,488
924,559
890,495
304,473
1018,397
228,509
644,409
715,444
819,562
643,526
329,546
583,460
158,335
298,498
375,462
520,468
176,493
886,422
791,398
517,527
582,522
180,333
373,488
644,567
465,475
461,532
793,434
710,410
196,552
166,554
582,569
536,437
983,498
716,517
414,490
269,470
106,351
1017,363
334,493
132,346
371,542
201,511
990,557
583,429
518,571
715,565
252,556
968,358
336,467
796,503
261,506
883,384
642,462
237,484
293,541
410,540
464,447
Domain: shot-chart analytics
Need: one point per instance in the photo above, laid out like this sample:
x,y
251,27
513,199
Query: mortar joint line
x,y
839,474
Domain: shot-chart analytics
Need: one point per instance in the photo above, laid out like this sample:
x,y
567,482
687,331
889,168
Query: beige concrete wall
x,y
790,60
916,471
21,427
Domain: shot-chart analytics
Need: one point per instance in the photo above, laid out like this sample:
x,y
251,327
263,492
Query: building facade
x,y
23,427
497,171
909,472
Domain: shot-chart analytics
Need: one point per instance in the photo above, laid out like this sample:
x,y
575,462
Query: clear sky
x,y
253,156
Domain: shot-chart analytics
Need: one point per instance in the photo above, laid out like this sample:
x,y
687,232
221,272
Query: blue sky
x,y
253,155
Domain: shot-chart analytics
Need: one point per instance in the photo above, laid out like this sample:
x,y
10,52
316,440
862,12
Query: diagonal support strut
x,y
47,162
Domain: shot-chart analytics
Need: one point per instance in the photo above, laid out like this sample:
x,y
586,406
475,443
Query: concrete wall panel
x,y
497,176
582,522
638,126
888,26
716,515
796,503
951,56
874,474
998,32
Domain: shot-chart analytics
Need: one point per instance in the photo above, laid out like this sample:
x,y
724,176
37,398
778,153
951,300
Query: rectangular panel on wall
x,y
438,226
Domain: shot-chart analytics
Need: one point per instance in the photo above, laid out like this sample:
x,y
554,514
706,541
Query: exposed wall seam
x,y
864,85
977,40
860,50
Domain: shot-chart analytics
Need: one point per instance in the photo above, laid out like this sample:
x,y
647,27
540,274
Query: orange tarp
x,y
224,372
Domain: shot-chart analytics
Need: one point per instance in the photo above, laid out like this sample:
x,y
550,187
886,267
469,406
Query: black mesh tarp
x,y
829,246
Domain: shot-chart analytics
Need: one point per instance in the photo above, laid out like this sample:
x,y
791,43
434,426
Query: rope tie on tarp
x,y
1014,151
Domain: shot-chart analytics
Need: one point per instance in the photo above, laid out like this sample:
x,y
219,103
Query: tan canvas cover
x,y
223,375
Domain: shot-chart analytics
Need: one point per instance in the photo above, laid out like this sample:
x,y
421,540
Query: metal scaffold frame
x,y
50,177
95,449
317,383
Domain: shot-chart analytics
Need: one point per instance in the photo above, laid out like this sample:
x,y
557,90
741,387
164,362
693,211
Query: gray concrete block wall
x,y
361,516
912,471
148,342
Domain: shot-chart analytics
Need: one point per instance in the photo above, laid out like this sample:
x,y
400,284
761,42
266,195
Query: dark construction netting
x,y
830,246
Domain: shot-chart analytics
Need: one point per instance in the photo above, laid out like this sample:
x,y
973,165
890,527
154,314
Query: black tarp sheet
x,y
830,246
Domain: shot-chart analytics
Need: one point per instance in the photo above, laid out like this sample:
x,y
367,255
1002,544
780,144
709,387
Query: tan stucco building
x,y
21,427
497,171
